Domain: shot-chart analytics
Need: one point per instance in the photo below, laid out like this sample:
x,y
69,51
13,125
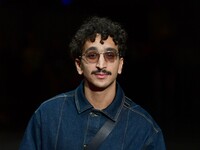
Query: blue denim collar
x,y
112,111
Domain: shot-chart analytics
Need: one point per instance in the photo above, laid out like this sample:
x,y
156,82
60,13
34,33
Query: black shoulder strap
x,y
104,131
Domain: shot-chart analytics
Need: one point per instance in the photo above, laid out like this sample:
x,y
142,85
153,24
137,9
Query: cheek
x,y
86,69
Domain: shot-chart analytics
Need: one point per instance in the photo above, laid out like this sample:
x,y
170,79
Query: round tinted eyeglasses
x,y
93,56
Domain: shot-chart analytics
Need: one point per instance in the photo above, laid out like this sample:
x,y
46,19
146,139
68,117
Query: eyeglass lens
x,y
93,56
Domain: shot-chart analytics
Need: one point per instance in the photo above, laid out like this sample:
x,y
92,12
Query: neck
x,y
100,99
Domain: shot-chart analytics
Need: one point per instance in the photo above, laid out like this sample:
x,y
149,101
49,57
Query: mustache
x,y
101,71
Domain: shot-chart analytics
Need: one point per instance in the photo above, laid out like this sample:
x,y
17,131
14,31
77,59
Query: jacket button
x,y
85,146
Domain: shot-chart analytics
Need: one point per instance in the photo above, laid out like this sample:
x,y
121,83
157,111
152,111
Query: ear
x,y
121,62
78,66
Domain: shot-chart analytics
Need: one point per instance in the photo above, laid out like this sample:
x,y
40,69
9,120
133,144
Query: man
x,y
71,120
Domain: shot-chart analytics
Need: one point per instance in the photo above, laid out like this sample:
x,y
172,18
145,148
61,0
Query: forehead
x,y
100,46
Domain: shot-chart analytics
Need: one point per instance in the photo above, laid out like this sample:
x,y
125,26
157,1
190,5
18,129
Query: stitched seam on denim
x,y
126,129
146,118
149,140
59,123
86,131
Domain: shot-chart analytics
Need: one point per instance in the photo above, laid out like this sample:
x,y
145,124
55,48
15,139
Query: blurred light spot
x,y
66,2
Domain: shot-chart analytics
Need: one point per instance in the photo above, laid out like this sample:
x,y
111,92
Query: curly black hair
x,y
103,26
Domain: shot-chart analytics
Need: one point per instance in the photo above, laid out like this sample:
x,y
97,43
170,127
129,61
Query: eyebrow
x,y
95,49
91,48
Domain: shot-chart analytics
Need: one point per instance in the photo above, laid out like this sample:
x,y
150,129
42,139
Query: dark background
x,y
161,71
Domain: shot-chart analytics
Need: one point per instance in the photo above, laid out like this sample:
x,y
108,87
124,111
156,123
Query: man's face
x,y
100,63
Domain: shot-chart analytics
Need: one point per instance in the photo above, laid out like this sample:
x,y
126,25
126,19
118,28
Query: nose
x,y
101,63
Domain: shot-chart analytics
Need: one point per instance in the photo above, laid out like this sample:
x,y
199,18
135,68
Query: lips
x,y
101,75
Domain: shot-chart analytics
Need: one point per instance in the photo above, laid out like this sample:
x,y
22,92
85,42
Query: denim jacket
x,y
69,122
